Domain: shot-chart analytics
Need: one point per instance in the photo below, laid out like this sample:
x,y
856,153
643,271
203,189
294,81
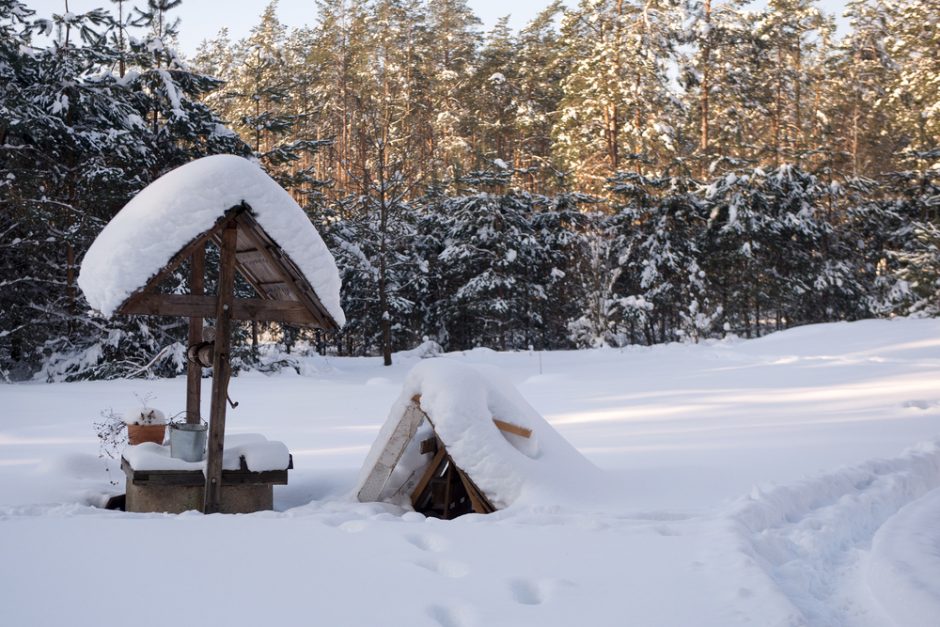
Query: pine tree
x,y
82,141
451,59
182,127
540,68
913,44
618,100
495,85
487,248
899,237
793,38
16,239
663,288
337,49
720,80
75,148
863,73
559,235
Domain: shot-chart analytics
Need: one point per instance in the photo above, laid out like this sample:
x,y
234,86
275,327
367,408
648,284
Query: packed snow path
x,y
829,432
812,538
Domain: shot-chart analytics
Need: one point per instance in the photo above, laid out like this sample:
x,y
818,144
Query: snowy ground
x,y
791,480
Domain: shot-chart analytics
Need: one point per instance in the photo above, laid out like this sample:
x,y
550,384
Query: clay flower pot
x,y
138,434
145,424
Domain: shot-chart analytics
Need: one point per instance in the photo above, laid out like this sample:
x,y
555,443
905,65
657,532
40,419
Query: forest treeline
x,y
616,172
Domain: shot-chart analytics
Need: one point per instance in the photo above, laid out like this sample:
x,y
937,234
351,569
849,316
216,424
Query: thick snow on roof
x,y
173,210
462,401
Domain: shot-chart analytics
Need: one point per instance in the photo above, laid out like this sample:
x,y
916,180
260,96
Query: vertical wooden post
x,y
193,369
221,369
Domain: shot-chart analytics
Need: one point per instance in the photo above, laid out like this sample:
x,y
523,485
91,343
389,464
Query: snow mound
x,y
461,402
425,350
176,208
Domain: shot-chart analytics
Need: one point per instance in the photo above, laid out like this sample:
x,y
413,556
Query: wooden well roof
x,y
284,294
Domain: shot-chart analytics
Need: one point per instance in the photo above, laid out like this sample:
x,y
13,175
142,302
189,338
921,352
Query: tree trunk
x,y
706,85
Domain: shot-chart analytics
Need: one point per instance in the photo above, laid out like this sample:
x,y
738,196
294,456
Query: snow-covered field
x,y
790,480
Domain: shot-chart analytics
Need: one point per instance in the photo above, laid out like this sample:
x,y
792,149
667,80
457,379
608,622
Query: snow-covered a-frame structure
x,y
460,439
261,233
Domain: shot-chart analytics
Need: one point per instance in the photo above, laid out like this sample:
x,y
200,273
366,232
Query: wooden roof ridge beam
x,y
502,425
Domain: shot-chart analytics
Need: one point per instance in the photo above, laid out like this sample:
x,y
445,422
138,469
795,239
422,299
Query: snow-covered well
x,y
181,205
461,402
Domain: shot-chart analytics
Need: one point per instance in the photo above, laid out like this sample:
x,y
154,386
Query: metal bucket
x,y
188,441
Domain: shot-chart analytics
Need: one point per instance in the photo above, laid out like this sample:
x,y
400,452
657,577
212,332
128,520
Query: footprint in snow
x,y
453,615
535,591
666,530
338,521
353,526
445,568
427,542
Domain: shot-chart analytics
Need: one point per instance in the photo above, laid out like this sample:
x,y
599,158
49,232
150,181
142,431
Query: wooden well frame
x,y
283,295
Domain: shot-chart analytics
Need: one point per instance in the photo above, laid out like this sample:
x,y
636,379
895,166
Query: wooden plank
x,y
508,427
257,264
279,291
198,478
429,473
272,310
487,507
252,256
479,502
402,434
221,370
448,478
189,305
288,271
276,290
204,306
193,369
471,493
